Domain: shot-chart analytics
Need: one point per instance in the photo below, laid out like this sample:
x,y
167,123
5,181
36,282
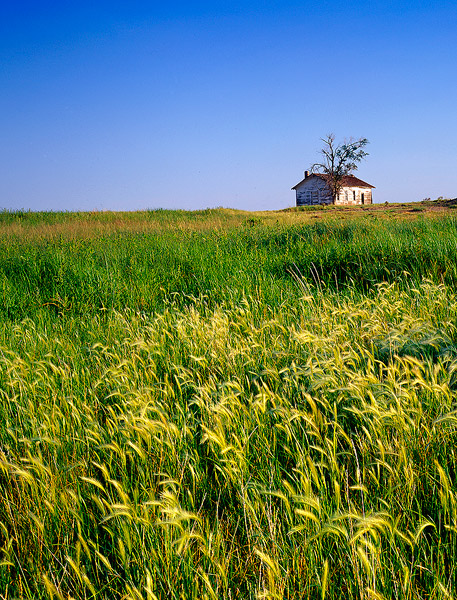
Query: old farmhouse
x,y
313,189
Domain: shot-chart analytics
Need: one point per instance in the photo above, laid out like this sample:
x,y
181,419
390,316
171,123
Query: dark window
x,y
363,198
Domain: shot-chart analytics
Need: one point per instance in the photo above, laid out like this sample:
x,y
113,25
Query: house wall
x,y
312,191
353,196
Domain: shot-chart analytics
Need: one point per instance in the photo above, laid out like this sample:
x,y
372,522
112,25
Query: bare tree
x,y
339,161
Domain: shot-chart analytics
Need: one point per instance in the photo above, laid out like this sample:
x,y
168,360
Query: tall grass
x,y
142,270
280,430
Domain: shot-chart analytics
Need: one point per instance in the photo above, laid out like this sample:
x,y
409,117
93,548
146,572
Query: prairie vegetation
x,y
228,405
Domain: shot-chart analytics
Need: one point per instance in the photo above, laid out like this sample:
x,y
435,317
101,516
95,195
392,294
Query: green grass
x,y
226,407
86,274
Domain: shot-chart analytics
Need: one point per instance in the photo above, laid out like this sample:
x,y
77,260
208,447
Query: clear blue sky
x,y
129,105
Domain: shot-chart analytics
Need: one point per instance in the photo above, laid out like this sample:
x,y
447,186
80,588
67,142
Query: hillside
x,y
222,404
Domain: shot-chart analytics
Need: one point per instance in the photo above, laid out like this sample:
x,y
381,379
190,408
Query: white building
x,y
313,189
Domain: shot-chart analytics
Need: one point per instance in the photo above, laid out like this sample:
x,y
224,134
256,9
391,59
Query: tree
x,y
339,161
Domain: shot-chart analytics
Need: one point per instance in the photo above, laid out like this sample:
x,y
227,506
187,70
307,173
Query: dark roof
x,y
347,181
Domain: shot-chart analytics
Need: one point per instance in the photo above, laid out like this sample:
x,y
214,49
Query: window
x,y
363,198
353,195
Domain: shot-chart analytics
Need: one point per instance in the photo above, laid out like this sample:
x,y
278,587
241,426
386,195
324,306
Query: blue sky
x,y
130,105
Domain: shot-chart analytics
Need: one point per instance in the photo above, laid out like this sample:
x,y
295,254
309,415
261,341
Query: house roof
x,y
347,181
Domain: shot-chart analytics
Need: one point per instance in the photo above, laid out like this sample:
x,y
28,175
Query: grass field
x,y
223,405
